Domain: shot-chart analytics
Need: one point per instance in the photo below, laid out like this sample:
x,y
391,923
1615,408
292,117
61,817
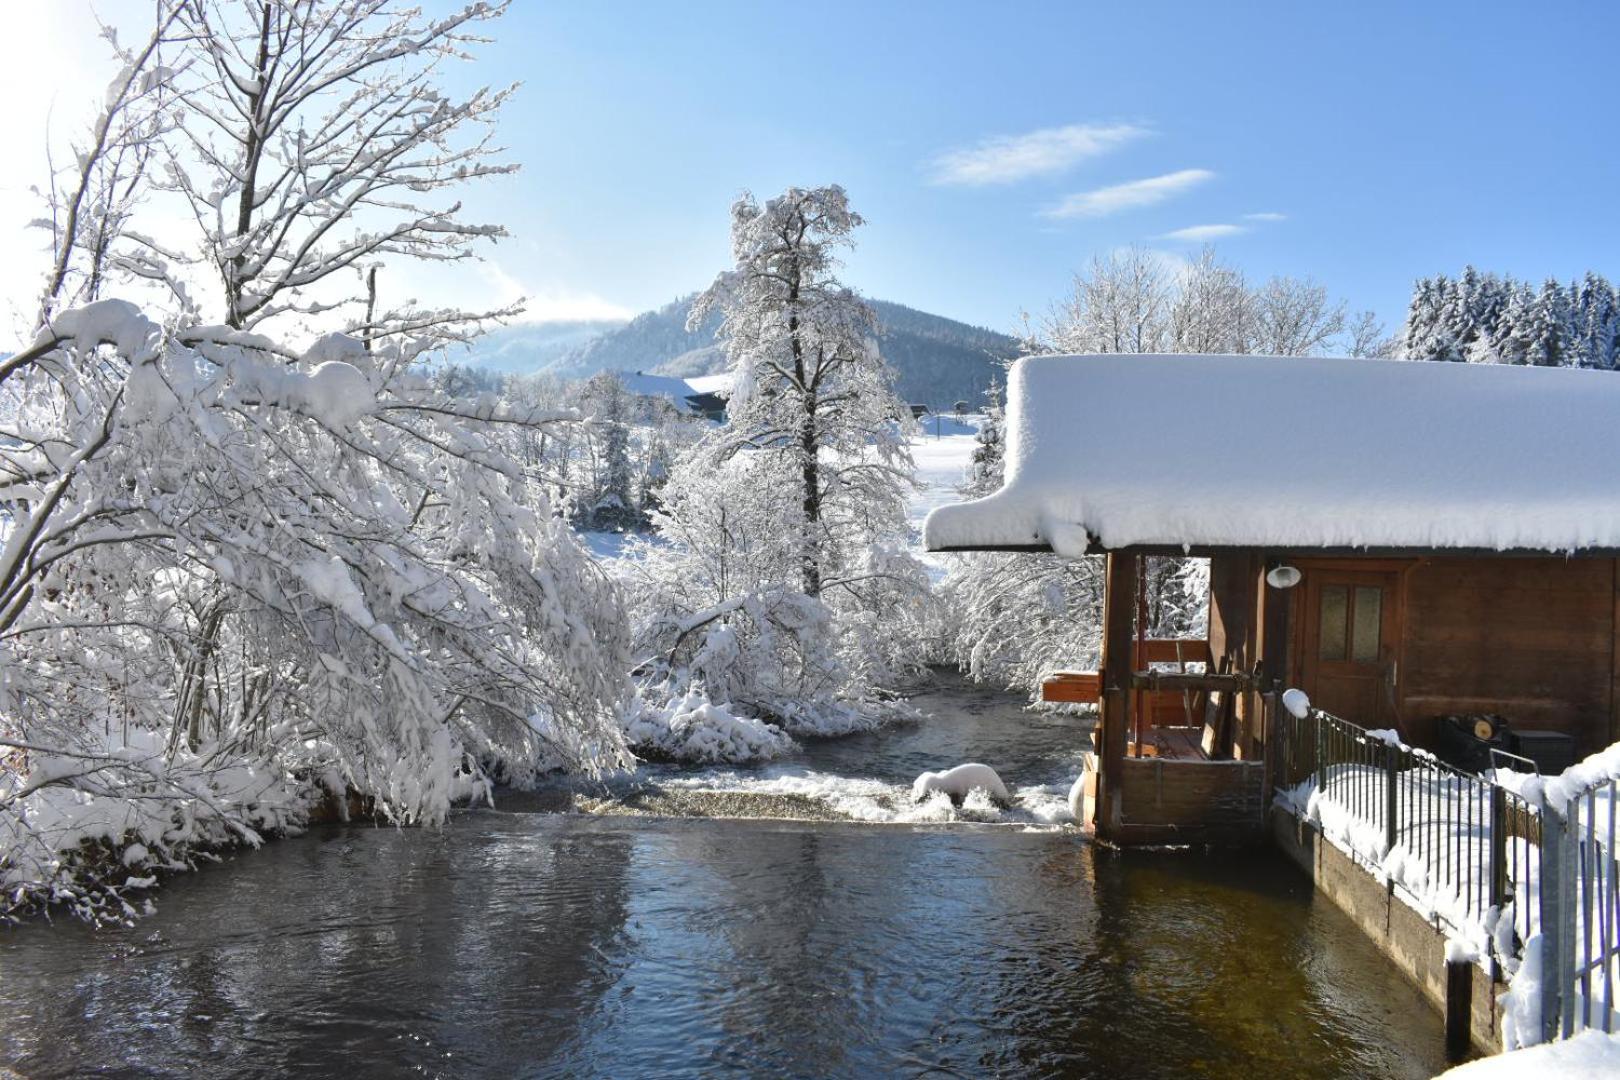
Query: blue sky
x,y
1388,141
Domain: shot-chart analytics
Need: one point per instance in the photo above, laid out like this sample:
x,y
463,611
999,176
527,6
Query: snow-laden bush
x,y
959,782
85,828
689,727
310,561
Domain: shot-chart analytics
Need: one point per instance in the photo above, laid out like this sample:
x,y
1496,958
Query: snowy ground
x,y
1591,1055
942,460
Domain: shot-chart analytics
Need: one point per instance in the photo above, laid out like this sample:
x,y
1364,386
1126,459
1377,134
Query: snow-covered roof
x,y
667,386
710,384
1249,451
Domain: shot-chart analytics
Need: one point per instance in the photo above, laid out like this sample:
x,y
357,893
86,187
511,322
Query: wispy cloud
x,y
1005,159
1267,215
1127,196
1197,234
553,304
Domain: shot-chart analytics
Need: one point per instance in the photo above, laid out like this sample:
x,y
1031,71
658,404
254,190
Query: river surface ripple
x,y
515,943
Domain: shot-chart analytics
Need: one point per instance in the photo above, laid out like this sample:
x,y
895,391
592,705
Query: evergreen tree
x,y
1486,318
612,505
985,472
1550,330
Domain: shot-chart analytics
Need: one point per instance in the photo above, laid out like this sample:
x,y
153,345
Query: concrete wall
x,y
1414,944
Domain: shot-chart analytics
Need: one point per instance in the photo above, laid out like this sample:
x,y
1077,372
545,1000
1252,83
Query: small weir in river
x,y
522,943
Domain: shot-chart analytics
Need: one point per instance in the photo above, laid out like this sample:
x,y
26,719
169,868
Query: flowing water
x,y
517,943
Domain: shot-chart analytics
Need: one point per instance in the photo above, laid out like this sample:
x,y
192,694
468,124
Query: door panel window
x,y
1334,619
1365,624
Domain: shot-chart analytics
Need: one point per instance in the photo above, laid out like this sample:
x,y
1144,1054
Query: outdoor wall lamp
x,y
1283,577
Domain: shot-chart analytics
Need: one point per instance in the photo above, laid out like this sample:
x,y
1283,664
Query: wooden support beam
x,y
1119,617
1081,687
1176,680
1614,670
1276,604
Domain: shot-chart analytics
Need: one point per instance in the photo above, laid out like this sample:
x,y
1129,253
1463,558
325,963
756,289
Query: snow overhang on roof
x,y
1200,452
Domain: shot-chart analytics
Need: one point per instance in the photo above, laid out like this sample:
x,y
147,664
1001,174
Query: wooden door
x,y
1350,640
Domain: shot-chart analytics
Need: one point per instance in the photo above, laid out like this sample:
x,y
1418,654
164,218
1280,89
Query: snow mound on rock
x,y
961,781
689,727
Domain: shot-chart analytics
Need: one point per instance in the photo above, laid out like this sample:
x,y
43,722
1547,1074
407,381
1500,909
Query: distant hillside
x,y
938,361
529,347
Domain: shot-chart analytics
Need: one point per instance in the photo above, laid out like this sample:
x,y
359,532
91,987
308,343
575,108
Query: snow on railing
x,y
1520,872
1583,941
1458,845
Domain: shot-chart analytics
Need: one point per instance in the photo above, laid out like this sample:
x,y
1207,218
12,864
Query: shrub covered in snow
x,y
85,828
240,554
688,727
959,782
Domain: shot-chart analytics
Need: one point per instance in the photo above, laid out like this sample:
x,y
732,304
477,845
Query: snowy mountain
x,y
528,347
939,361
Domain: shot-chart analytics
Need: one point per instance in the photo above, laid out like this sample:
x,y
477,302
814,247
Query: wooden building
x,y
1401,541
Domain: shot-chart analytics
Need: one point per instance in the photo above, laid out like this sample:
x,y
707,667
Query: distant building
x,y
918,411
704,396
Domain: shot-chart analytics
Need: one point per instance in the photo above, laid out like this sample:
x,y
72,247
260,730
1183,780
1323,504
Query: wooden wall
x,y
1532,639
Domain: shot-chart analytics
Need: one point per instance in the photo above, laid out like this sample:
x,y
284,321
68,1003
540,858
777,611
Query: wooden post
x,y
1459,1008
1273,648
1119,609
1499,865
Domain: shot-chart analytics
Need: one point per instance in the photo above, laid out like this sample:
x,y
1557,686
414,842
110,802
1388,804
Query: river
x,y
517,942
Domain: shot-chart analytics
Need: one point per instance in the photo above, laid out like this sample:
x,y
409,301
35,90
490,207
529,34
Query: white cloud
x,y
1127,196
1005,159
550,304
1199,233
1267,215
567,305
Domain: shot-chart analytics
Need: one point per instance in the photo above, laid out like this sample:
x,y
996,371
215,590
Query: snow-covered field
x,y
942,461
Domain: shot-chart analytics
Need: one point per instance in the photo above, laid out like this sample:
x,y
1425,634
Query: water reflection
x,y
543,945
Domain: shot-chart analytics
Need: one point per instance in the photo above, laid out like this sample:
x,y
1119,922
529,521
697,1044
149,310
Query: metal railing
x,y
1580,912
1455,841
1472,851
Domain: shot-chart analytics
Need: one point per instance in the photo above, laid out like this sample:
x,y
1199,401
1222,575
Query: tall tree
x,y
314,139
808,378
781,583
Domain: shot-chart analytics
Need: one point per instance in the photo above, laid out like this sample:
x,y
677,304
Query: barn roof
x,y
1202,452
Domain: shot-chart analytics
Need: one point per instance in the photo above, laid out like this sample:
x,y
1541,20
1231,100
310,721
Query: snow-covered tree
x,y
1131,301
1211,311
1294,317
988,464
611,503
1120,304
223,552
237,573
89,206
1493,319
807,377
782,583
1367,339
313,140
